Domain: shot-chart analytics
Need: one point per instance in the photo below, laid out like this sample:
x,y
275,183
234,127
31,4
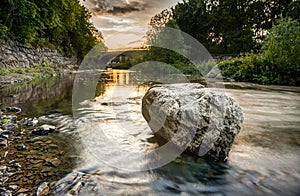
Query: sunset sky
x,y
123,23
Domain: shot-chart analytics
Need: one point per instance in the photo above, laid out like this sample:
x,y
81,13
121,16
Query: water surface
x,y
112,134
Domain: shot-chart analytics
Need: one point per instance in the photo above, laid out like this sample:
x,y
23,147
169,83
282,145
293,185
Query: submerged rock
x,y
55,162
28,122
44,130
43,189
21,147
192,117
3,142
13,109
76,183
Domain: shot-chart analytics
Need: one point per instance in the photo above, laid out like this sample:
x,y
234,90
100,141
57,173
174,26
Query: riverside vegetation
x,y
39,39
58,24
278,62
262,37
266,33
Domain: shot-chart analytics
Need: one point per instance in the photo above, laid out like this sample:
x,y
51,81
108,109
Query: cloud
x,y
115,7
124,22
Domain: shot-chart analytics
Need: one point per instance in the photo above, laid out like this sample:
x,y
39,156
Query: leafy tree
x,y
279,61
227,26
63,24
281,49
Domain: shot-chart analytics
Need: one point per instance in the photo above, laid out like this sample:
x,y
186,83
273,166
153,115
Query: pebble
x,y
3,168
13,109
22,190
6,132
3,180
12,161
75,190
43,189
35,161
55,162
10,126
4,136
17,165
28,122
5,192
4,154
52,146
17,138
13,187
33,122
44,130
21,147
3,142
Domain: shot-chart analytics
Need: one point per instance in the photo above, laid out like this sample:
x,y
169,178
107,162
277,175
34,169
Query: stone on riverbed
x,y
3,142
28,122
192,117
13,109
43,189
44,130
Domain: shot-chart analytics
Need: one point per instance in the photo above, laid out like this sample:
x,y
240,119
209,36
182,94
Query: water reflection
x,y
41,97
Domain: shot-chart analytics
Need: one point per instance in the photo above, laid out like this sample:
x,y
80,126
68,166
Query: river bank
x,y
30,155
23,63
21,75
33,154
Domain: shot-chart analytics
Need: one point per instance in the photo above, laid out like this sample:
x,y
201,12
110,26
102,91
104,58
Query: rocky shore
x,y
32,155
19,63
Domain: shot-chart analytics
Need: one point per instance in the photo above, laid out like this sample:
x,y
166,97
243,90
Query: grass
x,y
38,71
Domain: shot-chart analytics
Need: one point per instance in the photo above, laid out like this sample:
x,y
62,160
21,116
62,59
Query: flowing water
x,y
111,138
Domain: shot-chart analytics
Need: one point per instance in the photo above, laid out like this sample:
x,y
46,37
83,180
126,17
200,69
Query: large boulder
x,y
201,120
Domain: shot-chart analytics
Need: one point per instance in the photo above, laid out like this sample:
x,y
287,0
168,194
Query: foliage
x,y
282,44
227,27
63,24
279,62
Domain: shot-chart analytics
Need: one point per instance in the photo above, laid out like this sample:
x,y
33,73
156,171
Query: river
x,y
110,131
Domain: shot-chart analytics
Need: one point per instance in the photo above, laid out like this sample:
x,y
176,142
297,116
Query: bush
x,y
278,63
3,30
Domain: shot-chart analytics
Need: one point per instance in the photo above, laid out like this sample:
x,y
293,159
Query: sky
x,y
123,23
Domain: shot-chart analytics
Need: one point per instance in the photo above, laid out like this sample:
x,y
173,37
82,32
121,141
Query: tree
x,y
281,49
228,26
62,24
279,59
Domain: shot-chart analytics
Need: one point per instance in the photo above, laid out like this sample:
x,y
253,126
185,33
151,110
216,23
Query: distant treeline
x,y
227,27
265,35
59,24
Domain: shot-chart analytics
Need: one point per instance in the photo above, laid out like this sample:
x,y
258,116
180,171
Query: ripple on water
x,y
264,159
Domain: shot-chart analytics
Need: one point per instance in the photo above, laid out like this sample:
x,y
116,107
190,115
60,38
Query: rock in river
x,y
44,130
13,109
192,117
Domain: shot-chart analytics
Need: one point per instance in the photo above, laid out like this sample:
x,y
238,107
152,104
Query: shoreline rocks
x,y
203,121
13,55
30,164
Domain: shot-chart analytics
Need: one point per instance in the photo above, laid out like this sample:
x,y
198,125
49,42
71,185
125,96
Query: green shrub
x,y
3,30
278,63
